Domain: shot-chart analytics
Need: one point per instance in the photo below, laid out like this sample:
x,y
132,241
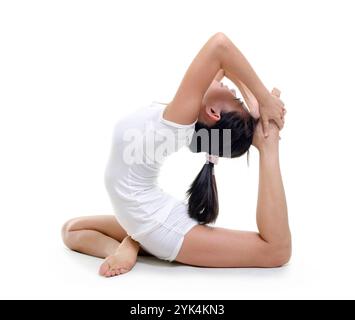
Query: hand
x,y
261,142
272,108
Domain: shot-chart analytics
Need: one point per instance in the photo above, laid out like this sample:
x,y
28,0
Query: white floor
x,y
62,274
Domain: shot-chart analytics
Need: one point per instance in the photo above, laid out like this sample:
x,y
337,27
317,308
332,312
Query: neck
x,y
202,117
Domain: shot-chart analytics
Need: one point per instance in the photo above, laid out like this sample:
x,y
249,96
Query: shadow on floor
x,y
152,265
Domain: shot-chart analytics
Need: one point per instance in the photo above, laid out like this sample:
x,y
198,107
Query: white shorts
x,y
166,239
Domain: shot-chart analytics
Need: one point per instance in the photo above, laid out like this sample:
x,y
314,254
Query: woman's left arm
x,y
252,102
219,76
249,99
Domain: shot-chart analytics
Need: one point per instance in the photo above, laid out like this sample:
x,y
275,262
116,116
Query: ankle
x,y
130,243
112,249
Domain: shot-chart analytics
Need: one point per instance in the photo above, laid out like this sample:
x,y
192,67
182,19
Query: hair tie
x,y
211,158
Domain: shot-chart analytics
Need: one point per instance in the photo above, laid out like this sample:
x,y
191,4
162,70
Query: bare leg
x,y
271,246
98,236
272,217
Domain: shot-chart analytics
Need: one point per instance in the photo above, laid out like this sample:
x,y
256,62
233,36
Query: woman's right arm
x,y
238,69
218,53
185,106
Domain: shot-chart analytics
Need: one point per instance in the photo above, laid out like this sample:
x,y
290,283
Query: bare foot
x,y
122,261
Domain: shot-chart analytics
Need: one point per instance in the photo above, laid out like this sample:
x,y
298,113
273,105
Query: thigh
x,y
105,224
207,246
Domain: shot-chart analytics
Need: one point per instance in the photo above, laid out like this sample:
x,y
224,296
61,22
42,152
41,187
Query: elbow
x,y
220,40
220,44
220,35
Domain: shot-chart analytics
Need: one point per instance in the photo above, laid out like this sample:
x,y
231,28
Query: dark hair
x,y
202,194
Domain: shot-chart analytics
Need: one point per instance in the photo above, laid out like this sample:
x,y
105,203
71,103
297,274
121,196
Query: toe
x,y
108,273
105,267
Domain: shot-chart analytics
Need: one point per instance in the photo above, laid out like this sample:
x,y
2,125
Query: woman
x,y
149,221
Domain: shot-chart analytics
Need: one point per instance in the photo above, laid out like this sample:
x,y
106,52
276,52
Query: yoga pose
x,y
208,117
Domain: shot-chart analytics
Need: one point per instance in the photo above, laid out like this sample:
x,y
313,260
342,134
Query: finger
x,y
276,92
279,123
266,128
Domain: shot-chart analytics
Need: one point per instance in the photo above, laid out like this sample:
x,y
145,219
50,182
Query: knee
x,y
68,233
279,254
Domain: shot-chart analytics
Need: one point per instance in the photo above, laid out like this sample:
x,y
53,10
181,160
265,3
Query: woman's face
x,y
223,98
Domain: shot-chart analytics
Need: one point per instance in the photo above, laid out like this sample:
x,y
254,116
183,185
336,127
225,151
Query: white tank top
x,y
140,144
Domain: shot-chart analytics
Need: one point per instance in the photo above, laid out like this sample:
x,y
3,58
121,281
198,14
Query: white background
x,y
70,69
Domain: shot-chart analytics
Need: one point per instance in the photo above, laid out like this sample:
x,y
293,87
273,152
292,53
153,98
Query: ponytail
x,y
203,196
